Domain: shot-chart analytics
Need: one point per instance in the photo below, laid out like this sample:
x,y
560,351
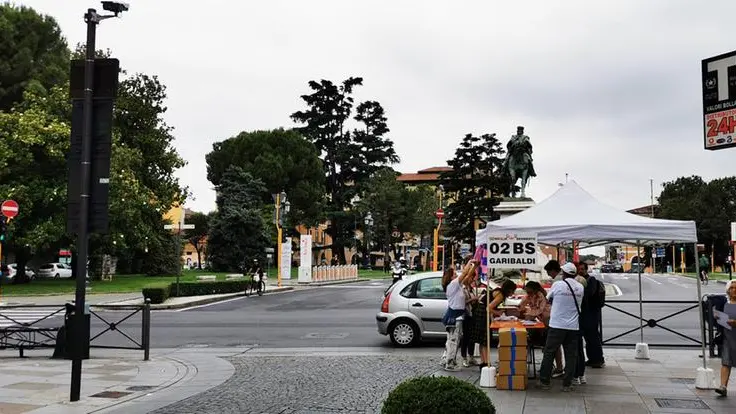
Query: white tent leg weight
x,y
705,379
487,377
642,351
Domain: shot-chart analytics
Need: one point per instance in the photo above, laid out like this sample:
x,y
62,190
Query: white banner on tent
x,y
512,251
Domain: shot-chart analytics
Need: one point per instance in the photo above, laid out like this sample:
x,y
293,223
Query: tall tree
x,y
33,172
349,156
283,160
33,54
709,204
388,202
198,236
475,184
237,231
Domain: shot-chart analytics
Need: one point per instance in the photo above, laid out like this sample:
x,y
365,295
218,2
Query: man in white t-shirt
x,y
566,296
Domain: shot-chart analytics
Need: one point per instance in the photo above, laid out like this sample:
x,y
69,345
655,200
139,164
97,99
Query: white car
x,y
13,269
55,270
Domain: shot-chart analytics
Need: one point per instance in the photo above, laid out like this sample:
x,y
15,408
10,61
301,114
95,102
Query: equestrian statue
x,y
518,163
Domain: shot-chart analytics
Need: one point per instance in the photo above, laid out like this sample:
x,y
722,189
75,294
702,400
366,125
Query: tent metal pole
x,y
641,304
700,304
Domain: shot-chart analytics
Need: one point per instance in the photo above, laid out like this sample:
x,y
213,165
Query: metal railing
x,y
685,306
39,327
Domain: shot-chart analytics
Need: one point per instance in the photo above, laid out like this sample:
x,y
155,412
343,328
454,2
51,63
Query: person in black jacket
x,y
590,315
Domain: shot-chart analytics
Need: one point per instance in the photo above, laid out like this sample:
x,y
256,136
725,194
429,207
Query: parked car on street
x,y
13,269
55,270
612,268
412,309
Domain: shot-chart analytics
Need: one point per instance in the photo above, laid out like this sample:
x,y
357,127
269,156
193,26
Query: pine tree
x,y
475,185
349,156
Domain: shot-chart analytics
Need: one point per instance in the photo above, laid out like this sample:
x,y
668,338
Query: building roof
x,y
435,170
427,175
645,210
413,178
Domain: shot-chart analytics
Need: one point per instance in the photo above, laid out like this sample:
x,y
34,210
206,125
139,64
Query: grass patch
x,y
135,283
711,276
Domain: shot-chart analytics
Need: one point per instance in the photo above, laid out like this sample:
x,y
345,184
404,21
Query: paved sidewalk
x,y
92,299
663,384
112,381
335,380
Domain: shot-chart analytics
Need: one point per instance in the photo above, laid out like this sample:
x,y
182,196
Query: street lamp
x,y
435,251
92,19
282,208
367,257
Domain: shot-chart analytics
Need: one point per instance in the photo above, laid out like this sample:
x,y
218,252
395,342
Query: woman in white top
x,y
455,311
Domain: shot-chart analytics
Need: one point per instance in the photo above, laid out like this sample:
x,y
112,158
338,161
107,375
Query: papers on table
x,y
534,322
505,318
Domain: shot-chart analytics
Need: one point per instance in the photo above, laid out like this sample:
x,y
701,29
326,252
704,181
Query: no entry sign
x,y
9,208
512,251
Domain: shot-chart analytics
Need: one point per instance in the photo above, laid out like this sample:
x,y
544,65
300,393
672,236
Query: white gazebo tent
x,y
572,214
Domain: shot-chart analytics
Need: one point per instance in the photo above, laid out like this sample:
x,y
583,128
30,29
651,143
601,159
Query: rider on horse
x,y
518,163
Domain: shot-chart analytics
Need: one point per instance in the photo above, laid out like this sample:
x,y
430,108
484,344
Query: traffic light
x,y
682,249
3,228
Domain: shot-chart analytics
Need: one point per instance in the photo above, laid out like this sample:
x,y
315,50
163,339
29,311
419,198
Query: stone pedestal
x,y
510,206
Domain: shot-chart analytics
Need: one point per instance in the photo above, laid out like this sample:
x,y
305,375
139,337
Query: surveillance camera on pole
x,y
115,7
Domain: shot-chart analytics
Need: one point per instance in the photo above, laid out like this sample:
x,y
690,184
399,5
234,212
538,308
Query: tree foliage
x,y
283,160
33,54
712,205
350,154
237,230
475,184
33,173
33,147
198,236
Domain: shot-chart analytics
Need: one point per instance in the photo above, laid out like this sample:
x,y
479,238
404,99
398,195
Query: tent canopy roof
x,y
572,214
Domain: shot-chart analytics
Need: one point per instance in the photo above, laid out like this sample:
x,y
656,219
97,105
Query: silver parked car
x,y
412,309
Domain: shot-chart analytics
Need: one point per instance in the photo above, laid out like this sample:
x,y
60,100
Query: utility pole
x,y
92,19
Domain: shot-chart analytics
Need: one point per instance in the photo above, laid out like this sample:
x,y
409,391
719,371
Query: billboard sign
x,y
719,101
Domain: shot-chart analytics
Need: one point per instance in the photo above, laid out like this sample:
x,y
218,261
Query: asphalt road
x,y
655,288
344,316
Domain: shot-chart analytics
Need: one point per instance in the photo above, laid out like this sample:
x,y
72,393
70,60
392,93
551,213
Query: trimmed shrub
x,y
158,293
437,395
209,288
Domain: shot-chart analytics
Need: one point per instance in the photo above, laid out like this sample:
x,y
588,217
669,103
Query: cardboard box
x,y
512,337
508,353
511,382
512,368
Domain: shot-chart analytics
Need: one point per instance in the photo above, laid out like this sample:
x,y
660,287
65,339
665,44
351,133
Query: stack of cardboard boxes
x,y
512,353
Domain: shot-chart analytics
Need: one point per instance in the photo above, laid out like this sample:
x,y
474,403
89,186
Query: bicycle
x,y
256,283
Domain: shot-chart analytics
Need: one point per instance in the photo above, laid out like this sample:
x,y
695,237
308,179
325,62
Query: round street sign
x,y
9,208
439,213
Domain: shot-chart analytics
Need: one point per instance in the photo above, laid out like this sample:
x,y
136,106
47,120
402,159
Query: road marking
x,y
254,296
651,280
353,287
23,316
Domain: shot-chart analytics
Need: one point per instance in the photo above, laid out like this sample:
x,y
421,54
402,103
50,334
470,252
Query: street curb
x,y
205,301
334,282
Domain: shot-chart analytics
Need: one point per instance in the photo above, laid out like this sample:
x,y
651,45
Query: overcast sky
x,y
609,91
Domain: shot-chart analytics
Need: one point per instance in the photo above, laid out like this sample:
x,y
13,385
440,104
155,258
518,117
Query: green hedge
x,y
158,293
437,395
209,288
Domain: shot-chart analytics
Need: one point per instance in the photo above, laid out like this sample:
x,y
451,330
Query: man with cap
x,y
566,296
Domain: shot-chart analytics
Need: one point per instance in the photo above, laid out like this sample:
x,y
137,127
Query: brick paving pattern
x,y
306,384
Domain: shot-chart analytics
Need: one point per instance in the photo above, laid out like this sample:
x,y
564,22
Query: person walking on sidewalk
x,y
704,267
566,296
728,355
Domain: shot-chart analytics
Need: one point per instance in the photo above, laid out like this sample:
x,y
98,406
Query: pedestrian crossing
x,y
18,316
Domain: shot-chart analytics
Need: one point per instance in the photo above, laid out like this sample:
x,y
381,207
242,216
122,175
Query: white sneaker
x,y
466,363
474,361
579,380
